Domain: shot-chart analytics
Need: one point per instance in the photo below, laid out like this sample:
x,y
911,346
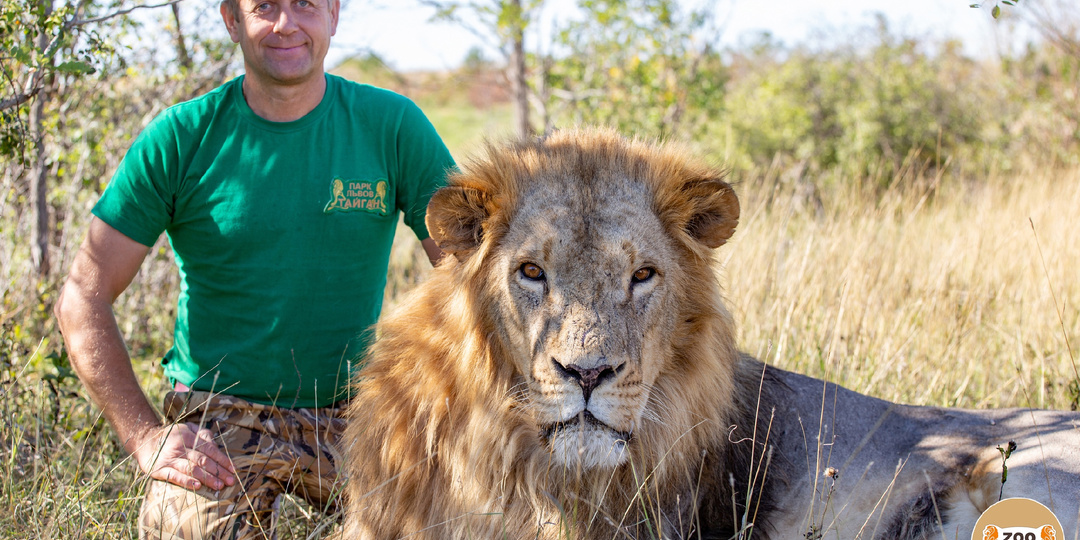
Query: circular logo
x,y
1018,519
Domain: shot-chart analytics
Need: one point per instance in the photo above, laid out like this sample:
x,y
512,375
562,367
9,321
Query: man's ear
x,y
455,219
229,17
335,11
714,210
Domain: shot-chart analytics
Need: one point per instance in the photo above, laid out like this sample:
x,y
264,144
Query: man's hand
x,y
185,455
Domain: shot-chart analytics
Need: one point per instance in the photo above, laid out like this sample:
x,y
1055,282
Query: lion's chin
x,y
583,442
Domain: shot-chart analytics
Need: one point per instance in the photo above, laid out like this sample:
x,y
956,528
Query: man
x,y
280,192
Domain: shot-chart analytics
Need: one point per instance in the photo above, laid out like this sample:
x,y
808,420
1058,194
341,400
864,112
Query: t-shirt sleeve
x,y
423,165
139,201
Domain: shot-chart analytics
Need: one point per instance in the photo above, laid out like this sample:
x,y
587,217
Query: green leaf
x,y
976,6
22,55
75,67
996,12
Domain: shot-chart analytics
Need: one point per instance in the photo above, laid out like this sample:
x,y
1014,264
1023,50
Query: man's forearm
x,y
184,455
100,359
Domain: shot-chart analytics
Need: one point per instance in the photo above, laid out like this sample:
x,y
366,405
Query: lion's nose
x,y
587,378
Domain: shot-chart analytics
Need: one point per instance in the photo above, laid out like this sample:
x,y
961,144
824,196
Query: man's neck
x,y
283,103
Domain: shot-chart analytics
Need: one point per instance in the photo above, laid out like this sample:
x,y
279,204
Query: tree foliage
x,y
851,106
40,45
84,44
639,66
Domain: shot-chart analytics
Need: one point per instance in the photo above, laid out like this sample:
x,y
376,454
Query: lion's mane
x,y
439,443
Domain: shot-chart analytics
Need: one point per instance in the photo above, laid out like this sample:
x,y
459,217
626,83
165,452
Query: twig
x,y
1005,453
116,14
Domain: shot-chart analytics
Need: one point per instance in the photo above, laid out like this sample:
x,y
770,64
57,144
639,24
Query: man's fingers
x,y
174,476
209,471
206,471
192,471
213,451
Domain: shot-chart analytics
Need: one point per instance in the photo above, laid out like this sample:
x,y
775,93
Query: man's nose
x,y
286,21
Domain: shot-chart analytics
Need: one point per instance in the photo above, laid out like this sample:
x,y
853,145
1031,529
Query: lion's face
x,y
586,305
583,256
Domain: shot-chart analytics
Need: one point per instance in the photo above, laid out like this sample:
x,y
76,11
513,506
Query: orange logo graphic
x,y
1017,519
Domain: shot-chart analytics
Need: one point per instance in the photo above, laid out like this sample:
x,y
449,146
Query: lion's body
x,y
904,471
571,372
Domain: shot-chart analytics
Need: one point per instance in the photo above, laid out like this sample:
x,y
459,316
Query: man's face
x,y
284,41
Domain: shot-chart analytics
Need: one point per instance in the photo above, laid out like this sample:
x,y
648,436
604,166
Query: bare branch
x,y
181,46
570,95
119,13
1055,25
18,99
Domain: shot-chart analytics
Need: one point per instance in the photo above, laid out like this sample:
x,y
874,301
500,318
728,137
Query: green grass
x,y
464,128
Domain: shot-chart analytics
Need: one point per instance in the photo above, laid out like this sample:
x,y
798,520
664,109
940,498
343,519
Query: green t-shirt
x,y
282,231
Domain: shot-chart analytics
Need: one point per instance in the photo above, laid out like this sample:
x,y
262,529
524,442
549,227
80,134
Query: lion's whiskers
x,y
519,393
657,406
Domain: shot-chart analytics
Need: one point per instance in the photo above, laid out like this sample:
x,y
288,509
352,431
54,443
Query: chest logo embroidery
x,y
358,196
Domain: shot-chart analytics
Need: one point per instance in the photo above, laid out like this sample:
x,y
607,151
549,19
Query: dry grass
x,y
965,295
939,293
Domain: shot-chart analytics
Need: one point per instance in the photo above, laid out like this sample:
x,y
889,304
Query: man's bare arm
x,y
432,249
104,266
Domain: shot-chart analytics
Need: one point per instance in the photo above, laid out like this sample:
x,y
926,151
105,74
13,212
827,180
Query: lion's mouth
x,y
582,420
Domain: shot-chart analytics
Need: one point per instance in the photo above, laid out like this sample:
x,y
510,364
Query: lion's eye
x,y
531,271
643,275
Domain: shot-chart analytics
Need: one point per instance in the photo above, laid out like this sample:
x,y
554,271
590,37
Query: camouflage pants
x,y
274,451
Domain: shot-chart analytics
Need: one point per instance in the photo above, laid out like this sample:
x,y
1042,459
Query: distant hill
x,y
480,86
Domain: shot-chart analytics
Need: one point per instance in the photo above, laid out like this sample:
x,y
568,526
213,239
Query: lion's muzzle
x,y
590,423
588,378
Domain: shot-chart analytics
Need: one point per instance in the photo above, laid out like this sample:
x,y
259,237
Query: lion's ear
x,y
455,218
715,211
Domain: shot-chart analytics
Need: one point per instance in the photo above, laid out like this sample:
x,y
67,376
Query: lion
x,y
570,371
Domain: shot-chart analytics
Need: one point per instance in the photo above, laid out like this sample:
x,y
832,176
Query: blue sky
x,y
401,33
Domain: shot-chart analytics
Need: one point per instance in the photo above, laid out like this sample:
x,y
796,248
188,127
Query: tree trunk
x,y
543,91
518,85
40,232
181,48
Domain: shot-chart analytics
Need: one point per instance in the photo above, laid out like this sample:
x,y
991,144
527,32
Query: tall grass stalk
x,y
929,293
